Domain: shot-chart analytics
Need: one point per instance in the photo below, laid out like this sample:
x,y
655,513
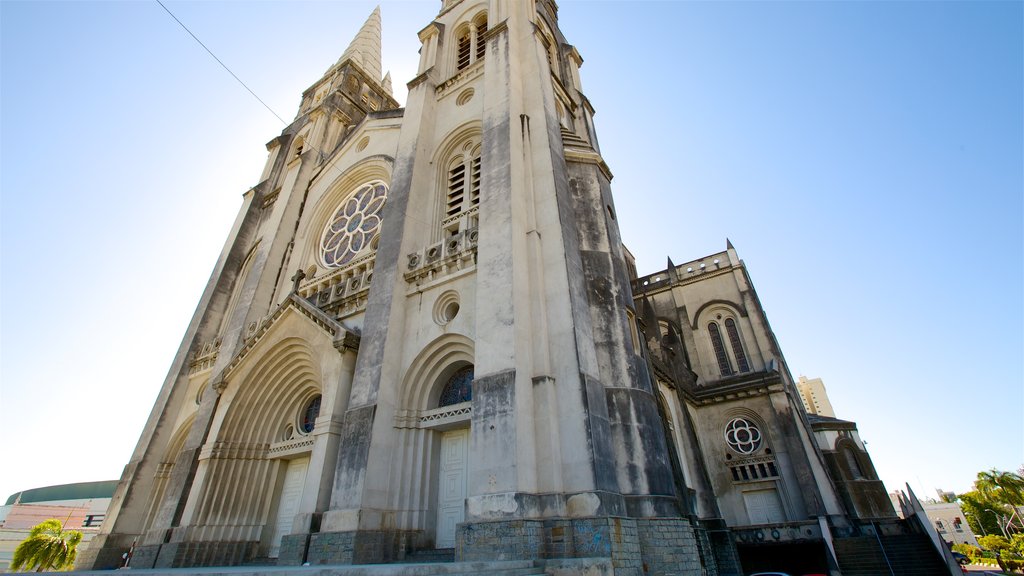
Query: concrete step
x,y
503,568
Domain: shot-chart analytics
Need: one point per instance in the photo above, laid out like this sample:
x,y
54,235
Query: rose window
x,y
354,225
743,436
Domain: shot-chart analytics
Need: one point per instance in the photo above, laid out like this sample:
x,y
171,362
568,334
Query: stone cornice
x,y
588,156
340,336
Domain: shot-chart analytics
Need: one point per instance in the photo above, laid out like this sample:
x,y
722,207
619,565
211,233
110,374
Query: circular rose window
x,y
354,225
742,436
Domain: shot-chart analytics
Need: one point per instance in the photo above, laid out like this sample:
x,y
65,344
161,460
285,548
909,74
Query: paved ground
x,y
979,570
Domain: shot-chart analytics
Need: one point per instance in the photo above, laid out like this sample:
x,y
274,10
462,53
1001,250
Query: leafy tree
x,y
1004,487
976,508
994,543
48,547
967,550
1017,544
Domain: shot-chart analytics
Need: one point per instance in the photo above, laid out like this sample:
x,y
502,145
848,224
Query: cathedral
x,y
424,338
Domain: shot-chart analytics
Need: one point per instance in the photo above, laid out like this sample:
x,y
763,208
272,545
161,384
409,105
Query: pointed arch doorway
x,y
453,408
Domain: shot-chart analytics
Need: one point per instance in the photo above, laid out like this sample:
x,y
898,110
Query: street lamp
x,y
999,521
980,524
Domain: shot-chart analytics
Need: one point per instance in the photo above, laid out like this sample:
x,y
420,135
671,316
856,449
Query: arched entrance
x,y
434,440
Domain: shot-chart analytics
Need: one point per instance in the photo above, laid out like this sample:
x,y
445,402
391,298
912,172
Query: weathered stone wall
x,y
668,546
634,546
192,554
293,550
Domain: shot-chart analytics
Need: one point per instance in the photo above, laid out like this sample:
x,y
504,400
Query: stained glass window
x,y
719,346
743,436
355,223
737,345
309,415
459,388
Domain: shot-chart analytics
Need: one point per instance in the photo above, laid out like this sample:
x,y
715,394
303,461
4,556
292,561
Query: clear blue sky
x,y
865,158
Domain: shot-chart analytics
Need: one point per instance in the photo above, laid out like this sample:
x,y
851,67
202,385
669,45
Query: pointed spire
x,y
672,272
365,47
386,83
728,244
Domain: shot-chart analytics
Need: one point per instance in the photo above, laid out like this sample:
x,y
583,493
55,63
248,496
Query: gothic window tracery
x,y
354,225
743,436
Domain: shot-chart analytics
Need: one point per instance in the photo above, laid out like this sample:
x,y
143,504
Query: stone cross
x,y
296,279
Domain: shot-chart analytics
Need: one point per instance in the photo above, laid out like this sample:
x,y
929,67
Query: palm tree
x,y
1005,487
48,547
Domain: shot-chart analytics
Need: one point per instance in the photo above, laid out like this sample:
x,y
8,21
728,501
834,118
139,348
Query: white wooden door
x,y
451,497
764,507
288,505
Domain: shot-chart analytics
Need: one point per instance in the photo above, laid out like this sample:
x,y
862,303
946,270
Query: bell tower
x,y
566,453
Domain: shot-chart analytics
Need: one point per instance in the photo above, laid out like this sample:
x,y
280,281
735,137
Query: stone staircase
x,y
430,556
438,567
904,555
572,140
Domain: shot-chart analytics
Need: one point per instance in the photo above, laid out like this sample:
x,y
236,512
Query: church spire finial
x,y
365,47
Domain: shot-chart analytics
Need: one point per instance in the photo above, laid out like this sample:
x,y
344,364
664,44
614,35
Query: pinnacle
x,y
365,47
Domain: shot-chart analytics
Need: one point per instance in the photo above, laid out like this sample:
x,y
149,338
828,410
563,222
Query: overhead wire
x,y
225,66
271,110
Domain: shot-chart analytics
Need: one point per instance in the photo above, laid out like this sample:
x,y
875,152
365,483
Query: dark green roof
x,y
78,491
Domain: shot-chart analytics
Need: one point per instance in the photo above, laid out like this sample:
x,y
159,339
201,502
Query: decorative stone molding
x,y
204,357
291,447
442,260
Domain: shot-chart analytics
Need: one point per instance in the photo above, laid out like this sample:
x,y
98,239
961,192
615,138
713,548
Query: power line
x,y
221,63
329,164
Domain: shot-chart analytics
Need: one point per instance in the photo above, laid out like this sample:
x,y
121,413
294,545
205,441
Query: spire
x,y
365,47
386,84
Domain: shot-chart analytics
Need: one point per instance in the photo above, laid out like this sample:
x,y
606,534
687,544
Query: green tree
x,y
976,507
1017,544
1004,487
48,547
994,543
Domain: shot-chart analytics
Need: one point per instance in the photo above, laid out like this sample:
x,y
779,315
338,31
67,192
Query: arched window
x,y
462,187
459,388
852,463
737,345
308,418
470,45
719,346
728,348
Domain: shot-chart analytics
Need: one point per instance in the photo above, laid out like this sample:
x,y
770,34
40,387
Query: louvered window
x,y
465,50
719,346
456,189
481,30
737,345
474,182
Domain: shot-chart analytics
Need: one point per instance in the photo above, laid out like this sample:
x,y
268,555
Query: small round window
x,y
459,388
354,225
309,415
743,436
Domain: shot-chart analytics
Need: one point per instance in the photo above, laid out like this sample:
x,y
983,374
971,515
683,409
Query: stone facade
x,y
424,332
